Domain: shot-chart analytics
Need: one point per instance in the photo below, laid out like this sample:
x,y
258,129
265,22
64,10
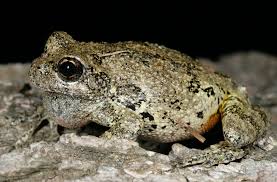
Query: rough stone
x,y
83,157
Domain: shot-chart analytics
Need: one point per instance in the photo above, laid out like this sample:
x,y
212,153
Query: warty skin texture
x,y
142,89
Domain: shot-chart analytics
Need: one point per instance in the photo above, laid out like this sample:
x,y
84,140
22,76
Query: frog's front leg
x,y
127,126
242,124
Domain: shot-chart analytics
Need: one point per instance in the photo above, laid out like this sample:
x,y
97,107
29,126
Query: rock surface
x,y
46,156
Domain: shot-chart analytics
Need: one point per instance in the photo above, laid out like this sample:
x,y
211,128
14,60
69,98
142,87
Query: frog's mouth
x,y
59,95
47,93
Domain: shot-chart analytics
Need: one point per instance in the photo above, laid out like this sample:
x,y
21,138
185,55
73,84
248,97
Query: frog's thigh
x,y
127,126
241,123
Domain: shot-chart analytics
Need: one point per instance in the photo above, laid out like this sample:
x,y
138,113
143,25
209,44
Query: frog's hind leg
x,y
242,124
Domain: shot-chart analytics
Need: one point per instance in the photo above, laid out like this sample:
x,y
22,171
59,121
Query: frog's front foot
x,y
126,128
182,156
110,134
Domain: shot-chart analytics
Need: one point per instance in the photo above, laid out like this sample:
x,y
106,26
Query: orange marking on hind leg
x,y
213,120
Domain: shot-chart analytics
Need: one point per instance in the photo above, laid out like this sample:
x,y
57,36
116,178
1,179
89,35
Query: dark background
x,y
203,30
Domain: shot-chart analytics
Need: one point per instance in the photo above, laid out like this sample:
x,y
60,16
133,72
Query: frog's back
x,y
167,88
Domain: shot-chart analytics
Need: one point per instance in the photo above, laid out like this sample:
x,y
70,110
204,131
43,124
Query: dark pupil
x,y
70,69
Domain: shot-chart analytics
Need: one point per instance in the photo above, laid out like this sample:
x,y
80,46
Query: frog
x,y
143,90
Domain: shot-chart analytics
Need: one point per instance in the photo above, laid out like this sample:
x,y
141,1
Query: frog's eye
x,y
70,69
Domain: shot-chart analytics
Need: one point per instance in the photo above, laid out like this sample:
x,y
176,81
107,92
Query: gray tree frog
x,y
141,90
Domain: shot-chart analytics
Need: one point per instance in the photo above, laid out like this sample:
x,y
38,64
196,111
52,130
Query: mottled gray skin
x,y
142,89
